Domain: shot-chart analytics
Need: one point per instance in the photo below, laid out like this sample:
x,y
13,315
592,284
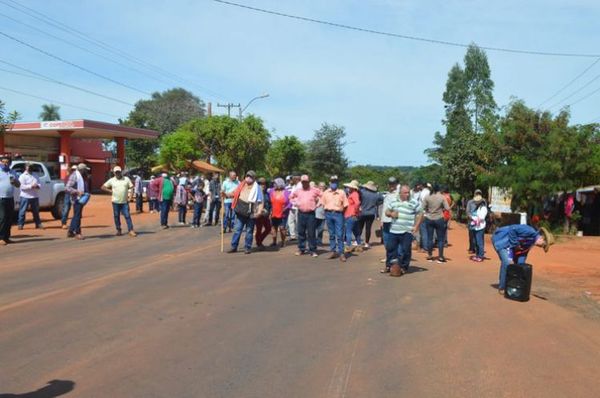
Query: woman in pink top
x,y
351,216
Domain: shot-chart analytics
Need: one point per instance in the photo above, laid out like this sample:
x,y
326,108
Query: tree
x,y
325,152
178,147
50,112
6,120
463,151
236,145
378,174
164,112
285,156
480,87
540,155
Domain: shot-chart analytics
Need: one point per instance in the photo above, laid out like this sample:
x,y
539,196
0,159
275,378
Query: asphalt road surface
x,y
167,315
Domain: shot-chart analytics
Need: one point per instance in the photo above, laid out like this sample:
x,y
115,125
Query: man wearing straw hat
x,y
513,242
351,217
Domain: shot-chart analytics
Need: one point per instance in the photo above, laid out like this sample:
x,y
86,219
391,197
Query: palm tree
x,y
50,112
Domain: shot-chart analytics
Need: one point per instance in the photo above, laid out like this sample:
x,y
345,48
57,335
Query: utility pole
x,y
229,106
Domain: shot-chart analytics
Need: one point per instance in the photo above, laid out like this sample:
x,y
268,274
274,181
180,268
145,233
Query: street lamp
x,y
265,95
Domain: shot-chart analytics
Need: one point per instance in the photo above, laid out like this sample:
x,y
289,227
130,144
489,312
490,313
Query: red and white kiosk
x,y
65,142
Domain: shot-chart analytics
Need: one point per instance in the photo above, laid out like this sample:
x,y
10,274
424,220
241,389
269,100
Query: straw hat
x,y
353,184
548,237
370,186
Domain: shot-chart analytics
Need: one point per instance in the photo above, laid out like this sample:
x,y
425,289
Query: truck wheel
x,y
57,210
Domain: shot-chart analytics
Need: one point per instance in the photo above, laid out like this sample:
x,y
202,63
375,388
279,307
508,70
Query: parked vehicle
x,y
52,191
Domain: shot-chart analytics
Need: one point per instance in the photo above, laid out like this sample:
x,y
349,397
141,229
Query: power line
x,y
401,36
73,64
49,79
106,47
575,92
569,83
84,48
588,95
57,102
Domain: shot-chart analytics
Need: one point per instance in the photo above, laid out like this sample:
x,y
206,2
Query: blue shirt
x,y
229,187
520,238
7,190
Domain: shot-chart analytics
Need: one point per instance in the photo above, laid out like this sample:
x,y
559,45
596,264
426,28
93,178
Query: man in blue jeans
x,y
306,200
66,205
229,186
406,219
120,188
334,201
513,242
248,200
29,197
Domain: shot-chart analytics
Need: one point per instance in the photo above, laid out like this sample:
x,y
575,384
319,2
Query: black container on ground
x,y
518,282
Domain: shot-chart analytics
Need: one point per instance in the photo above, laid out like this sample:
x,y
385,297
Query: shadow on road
x,y
414,270
54,388
18,240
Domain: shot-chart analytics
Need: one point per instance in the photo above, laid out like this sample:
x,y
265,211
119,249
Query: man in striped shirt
x,y
406,217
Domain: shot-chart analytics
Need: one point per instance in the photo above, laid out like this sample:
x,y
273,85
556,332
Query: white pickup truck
x,y
52,191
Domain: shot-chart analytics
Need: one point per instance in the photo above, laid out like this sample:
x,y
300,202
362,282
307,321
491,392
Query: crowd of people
x,y
293,209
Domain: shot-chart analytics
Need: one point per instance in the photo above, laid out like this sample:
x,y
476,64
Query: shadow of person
x,y
54,388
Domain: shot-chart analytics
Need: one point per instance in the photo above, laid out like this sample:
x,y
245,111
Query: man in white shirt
x,y
29,198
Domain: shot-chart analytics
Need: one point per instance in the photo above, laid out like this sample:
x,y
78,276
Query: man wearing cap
x,y
8,182
119,186
513,242
247,204
470,208
477,223
335,201
306,200
67,202
78,187
29,197
351,217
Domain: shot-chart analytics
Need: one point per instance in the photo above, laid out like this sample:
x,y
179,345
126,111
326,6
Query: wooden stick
x,y
222,225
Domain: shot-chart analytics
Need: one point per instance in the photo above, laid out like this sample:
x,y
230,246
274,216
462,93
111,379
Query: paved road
x,y
167,315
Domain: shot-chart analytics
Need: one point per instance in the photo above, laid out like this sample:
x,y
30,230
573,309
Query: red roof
x,y
82,129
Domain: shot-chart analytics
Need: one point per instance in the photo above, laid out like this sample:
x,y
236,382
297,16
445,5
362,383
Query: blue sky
x,y
385,91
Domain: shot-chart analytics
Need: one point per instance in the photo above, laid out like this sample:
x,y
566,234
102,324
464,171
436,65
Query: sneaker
x,y
274,244
382,261
441,260
79,237
118,232
343,258
133,234
430,259
165,227
478,259
247,251
232,250
70,234
299,253
333,255
39,226
367,246
314,255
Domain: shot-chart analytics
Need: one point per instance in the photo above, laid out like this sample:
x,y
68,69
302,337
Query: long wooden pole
x,y
222,227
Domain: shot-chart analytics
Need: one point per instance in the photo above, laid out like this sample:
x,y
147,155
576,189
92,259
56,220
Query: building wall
x,y
47,150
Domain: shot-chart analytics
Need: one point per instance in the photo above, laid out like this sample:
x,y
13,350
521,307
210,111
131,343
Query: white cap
x,y
117,168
